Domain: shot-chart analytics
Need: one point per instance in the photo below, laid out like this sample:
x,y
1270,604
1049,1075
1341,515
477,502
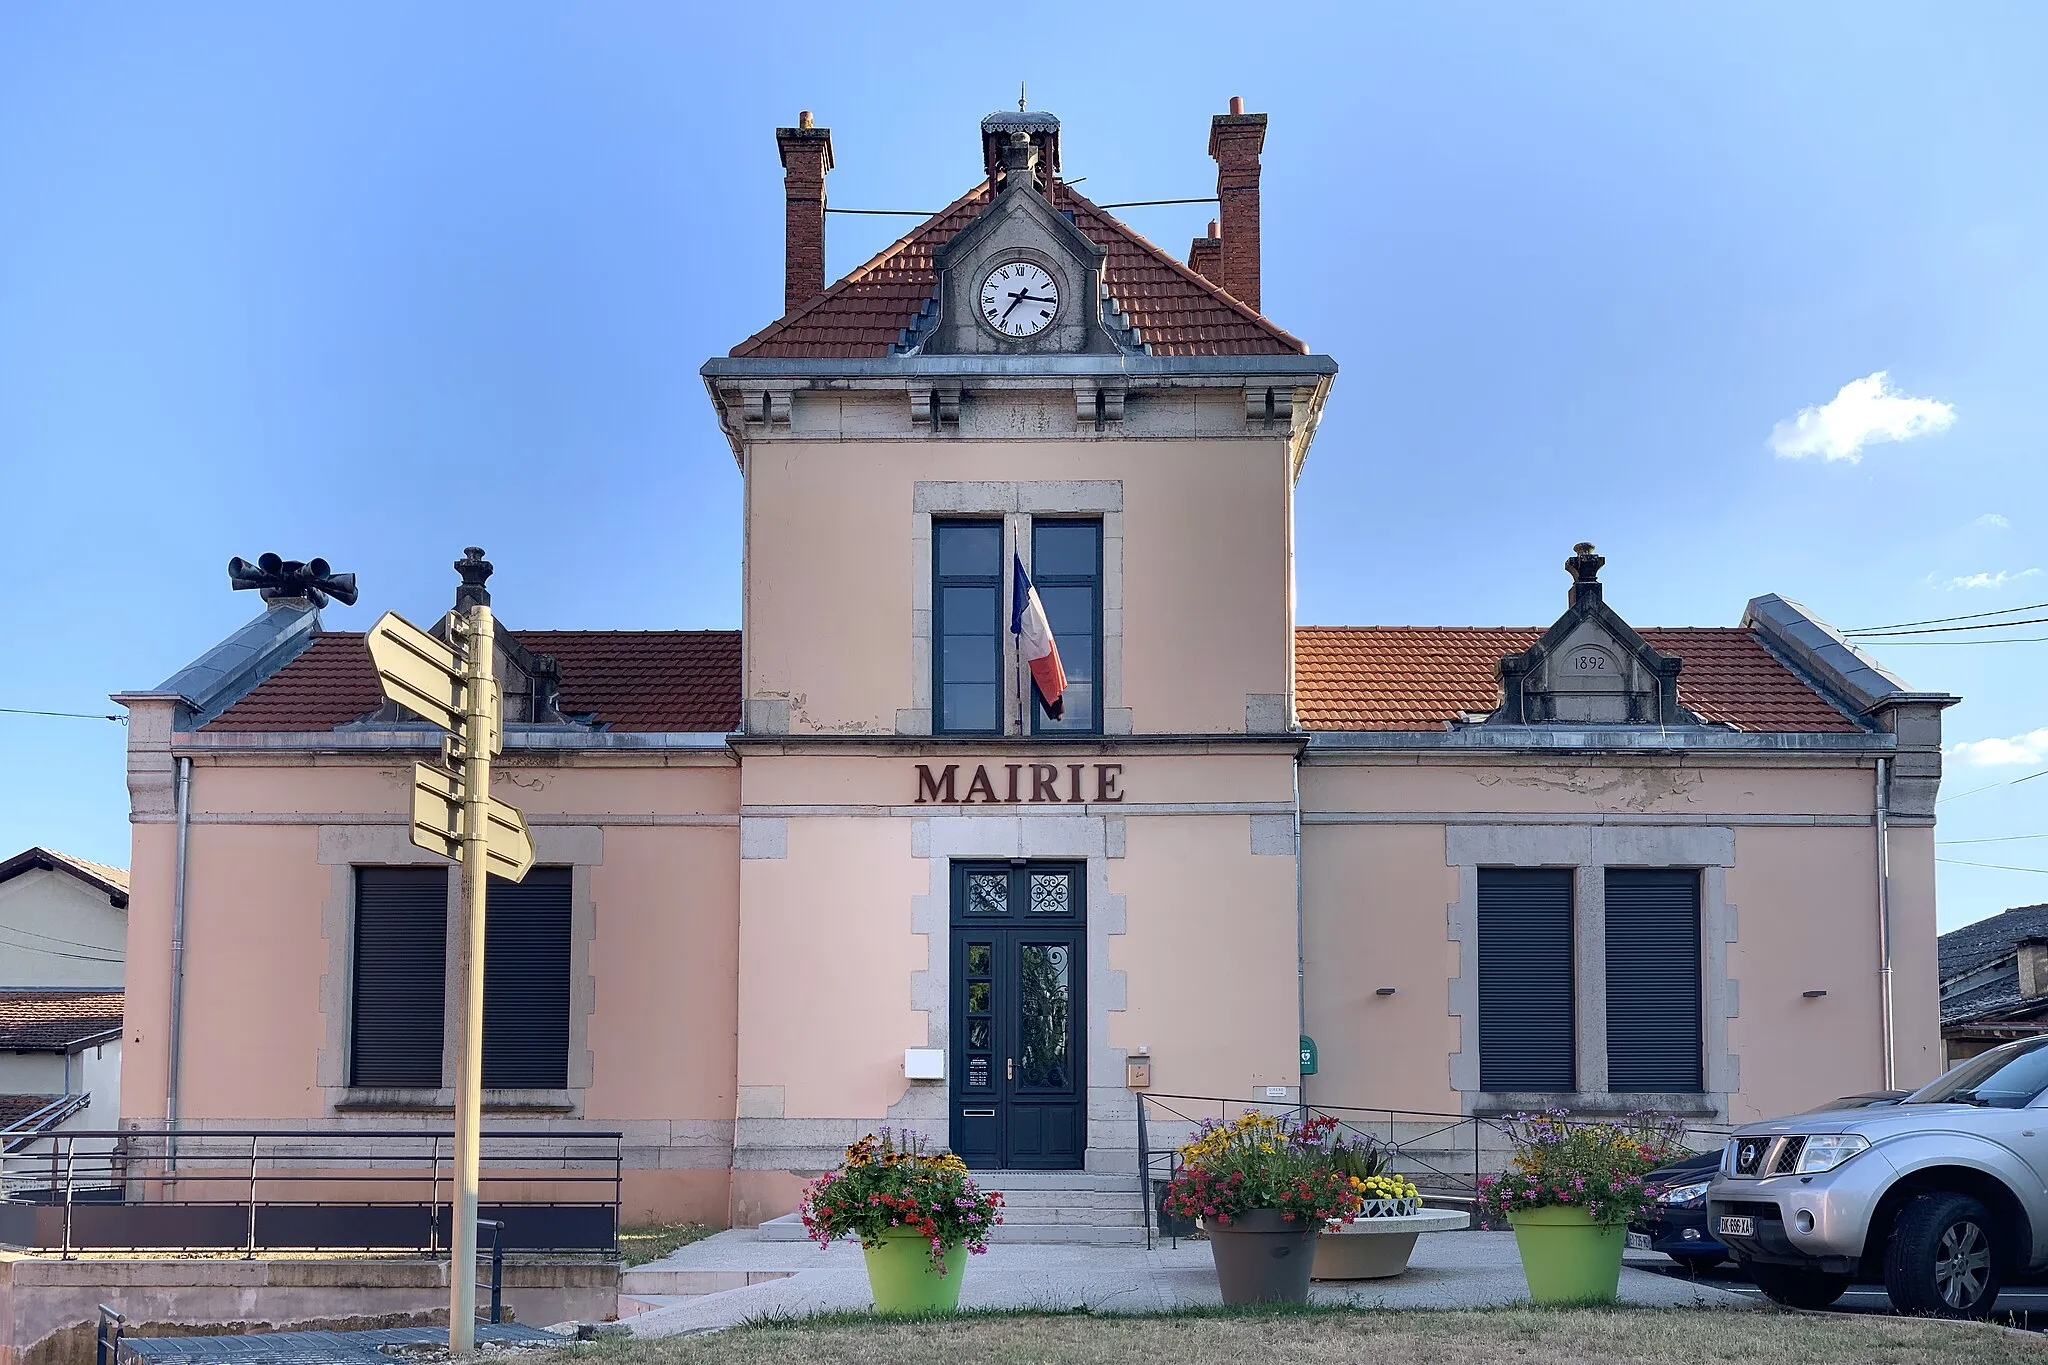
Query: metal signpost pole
x,y
469,1050
454,685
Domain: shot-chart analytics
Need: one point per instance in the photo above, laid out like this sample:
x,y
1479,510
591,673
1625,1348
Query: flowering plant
x,y
891,1181
1598,1167
1261,1162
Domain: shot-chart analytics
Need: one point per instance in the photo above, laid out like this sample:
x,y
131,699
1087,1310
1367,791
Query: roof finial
x,y
1584,566
1020,97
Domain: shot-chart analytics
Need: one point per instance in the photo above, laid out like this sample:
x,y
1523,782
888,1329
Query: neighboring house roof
x,y
685,681
110,881
55,1020
1977,945
1421,677
15,1108
1176,311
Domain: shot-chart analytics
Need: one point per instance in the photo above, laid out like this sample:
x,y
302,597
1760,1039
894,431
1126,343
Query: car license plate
x,y
1736,1227
1639,1241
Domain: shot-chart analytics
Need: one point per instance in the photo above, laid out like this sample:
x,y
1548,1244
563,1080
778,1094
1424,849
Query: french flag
x,y
1035,642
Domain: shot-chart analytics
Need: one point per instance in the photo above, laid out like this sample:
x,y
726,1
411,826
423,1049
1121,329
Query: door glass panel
x,y
977,1072
1052,893
977,997
988,893
978,959
1043,994
977,1034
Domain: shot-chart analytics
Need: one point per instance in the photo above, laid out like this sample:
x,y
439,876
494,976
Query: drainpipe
x,y
1300,943
177,968
1884,922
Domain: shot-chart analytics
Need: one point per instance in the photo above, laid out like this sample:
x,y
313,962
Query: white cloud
x,y
1993,520
1989,580
2031,747
1867,411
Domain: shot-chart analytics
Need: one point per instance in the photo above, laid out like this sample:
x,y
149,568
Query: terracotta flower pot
x,y
1262,1257
901,1277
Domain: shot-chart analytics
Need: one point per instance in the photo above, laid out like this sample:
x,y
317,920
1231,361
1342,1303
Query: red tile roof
x,y
1348,678
650,680
1419,677
15,1108
38,1019
1176,311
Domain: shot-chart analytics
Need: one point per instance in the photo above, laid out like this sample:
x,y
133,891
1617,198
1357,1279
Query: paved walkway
x,y
1448,1270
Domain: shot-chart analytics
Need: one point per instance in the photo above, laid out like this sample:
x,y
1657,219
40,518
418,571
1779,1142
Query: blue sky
x,y
289,277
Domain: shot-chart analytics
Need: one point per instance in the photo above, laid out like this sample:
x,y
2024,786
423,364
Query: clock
x,y
1019,299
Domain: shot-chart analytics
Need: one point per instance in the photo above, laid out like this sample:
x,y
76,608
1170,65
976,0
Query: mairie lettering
x,y
1024,784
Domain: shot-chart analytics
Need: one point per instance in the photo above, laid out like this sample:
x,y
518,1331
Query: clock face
x,y
1019,299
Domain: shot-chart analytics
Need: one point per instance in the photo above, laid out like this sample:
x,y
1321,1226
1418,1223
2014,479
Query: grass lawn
x,y
1504,1336
652,1241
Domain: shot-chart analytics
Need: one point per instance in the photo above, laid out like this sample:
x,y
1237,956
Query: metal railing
x,y
106,1337
257,1190
1446,1155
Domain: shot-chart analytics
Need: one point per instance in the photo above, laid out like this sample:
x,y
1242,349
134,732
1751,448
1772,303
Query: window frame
x,y
1094,582
940,582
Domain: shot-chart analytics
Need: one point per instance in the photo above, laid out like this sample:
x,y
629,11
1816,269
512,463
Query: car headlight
x,y
1829,1151
1684,1194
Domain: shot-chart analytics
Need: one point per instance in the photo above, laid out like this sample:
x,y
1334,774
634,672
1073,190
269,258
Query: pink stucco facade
x,y
772,936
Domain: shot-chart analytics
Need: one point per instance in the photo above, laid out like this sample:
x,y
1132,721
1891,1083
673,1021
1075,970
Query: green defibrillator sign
x,y
1308,1055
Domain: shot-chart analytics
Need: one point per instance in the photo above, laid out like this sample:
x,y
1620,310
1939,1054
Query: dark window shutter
x,y
526,982
1653,979
1525,978
401,961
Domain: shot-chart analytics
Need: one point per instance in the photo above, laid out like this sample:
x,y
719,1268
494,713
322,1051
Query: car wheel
x,y
1943,1258
1798,1288
1696,1264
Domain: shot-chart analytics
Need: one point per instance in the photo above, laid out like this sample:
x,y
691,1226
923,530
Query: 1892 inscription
x,y
1020,784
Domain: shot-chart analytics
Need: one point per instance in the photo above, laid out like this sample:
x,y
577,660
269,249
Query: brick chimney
x,y
1235,141
1205,255
806,157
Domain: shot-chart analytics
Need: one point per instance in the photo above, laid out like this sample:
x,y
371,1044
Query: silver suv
x,y
1944,1195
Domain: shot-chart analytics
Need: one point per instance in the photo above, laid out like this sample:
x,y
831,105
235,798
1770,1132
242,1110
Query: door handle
x,y
1009,1068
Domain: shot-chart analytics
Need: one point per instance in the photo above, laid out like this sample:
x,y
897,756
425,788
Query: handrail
x,y
497,1228
106,1346
1440,1135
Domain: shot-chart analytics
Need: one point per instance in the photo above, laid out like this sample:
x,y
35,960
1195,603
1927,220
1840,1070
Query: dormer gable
x,y
1590,668
1019,225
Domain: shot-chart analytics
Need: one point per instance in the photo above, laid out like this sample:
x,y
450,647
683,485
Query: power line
x,y
1126,204
1942,620
1995,839
2005,640
1945,630
2009,782
1996,867
67,715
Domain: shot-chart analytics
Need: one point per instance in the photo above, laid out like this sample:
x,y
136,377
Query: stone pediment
x,y
1019,224
1590,668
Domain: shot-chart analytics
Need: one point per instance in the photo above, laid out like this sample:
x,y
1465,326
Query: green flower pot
x,y
1567,1257
901,1277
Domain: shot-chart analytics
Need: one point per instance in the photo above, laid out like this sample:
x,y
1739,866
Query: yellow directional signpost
x,y
454,814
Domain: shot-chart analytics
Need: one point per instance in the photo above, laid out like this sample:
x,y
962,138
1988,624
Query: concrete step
x,y
643,1283
788,1228
1107,1182
1068,1235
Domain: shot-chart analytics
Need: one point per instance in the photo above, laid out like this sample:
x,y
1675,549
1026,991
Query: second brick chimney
x,y
806,157
1205,255
1235,140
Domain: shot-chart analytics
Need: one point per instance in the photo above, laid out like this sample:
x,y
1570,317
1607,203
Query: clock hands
x,y
1022,296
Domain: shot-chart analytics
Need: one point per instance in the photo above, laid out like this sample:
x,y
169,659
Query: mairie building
x,y
841,869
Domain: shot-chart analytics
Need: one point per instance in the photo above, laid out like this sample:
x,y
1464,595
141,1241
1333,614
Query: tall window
x,y
401,957
967,627
526,982
1066,568
1525,979
1653,980
399,1000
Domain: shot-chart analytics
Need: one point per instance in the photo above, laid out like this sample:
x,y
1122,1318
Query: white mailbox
x,y
924,1063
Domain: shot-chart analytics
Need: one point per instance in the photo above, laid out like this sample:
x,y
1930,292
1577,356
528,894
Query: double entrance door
x,y
1019,1051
